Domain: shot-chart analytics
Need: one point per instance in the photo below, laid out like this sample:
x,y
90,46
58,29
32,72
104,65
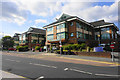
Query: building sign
x,y
98,49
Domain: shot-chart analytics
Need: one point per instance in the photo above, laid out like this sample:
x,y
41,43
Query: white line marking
x,y
17,61
107,75
12,60
41,77
43,65
66,69
81,71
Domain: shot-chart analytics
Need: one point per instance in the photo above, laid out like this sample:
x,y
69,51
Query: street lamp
x,y
60,37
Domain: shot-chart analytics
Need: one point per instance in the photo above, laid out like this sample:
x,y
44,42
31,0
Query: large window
x,y
61,35
71,23
50,29
78,25
24,37
79,35
50,37
35,41
105,36
87,36
35,35
60,26
105,33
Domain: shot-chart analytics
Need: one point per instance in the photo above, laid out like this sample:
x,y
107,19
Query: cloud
x,y
12,13
39,7
5,34
16,10
40,21
90,12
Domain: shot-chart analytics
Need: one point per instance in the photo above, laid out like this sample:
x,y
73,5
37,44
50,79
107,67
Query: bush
x,y
37,47
25,47
17,47
22,48
83,45
75,47
65,47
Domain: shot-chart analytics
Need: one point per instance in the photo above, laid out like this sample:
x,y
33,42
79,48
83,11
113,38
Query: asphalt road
x,y
36,69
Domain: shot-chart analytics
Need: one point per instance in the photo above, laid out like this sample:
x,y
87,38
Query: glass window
x,y
87,36
61,35
78,25
60,26
71,23
35,41
105,33
50,29
115,35
71,35
105,36
79,35
50,37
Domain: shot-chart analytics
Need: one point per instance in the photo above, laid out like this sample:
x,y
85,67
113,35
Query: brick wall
x,y
72,29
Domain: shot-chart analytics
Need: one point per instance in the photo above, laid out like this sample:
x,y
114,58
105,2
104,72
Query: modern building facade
x,y
32,37
106,33
16,39
72,30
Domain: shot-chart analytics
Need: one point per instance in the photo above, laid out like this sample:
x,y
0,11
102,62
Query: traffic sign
x,y
112,46
60,45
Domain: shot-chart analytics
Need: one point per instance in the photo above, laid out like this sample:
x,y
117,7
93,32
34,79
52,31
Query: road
x,y
36,69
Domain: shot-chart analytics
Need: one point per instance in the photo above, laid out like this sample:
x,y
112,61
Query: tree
x,y
7,42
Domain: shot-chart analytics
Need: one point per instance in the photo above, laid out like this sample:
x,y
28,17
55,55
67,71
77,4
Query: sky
x,y
17,16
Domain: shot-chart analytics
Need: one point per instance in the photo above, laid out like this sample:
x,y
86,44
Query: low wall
x,y
94,54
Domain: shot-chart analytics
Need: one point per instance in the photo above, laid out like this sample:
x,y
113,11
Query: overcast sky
x,y
19,15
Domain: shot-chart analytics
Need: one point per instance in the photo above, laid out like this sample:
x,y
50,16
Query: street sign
x,y
112,46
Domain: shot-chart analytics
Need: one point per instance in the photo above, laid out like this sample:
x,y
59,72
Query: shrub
x,y
22,48
26,46
37,47
65,47
83,45
17,47
73,46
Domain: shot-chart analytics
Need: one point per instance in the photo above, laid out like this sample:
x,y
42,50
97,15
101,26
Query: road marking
x,y
66,69
107,75
12,60
91,60
81,71
43,65
17,61
41,77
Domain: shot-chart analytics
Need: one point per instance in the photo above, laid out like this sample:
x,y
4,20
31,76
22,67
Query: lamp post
x,y
60,41
60,37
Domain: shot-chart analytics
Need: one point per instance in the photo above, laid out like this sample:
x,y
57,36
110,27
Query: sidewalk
x,y
90,58
7,76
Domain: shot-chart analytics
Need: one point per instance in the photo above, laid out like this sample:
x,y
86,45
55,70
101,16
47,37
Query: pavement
x,y
7,76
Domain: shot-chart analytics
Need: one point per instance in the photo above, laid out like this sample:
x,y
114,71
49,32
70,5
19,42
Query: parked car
x,y
12,49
